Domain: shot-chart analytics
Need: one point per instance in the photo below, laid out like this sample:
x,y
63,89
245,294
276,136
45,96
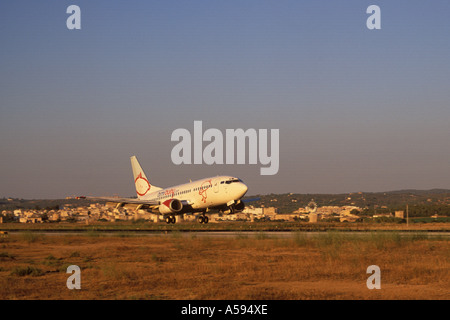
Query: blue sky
x,y
357,109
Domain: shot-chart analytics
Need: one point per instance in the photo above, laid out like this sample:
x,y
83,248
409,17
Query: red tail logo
x,y
142,185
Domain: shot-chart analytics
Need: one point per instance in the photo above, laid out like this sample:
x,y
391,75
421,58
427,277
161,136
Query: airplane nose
x,y
244,189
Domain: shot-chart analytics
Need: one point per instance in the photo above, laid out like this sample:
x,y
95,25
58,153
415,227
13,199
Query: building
x,y
313,217
400,214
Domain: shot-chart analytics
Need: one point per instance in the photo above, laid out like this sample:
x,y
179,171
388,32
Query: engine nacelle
x,y
170,206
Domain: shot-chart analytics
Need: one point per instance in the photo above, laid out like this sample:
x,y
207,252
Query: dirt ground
x,y
259,267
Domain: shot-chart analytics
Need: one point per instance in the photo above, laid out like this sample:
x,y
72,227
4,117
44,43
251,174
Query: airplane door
x,y
216,186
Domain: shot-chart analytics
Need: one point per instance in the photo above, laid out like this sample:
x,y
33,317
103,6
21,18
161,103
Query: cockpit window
x,y
232,180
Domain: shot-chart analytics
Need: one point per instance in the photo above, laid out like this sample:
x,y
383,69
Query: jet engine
x,y
170,206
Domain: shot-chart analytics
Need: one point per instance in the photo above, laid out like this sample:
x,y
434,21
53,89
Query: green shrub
x,y
300,239
31,237
6,255
25,271
51,261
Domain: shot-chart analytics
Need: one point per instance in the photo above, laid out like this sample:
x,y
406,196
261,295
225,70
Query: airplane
x,y
223,193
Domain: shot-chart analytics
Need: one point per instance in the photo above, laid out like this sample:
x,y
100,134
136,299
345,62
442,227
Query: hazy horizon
x,y
358,110
265,194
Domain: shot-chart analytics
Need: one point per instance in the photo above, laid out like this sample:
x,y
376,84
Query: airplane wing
x,y
122,201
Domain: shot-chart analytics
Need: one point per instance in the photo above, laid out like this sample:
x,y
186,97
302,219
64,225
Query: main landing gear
x,y
170,219
202,219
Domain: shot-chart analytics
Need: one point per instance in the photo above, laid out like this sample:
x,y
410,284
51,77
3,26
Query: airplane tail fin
x,y
143,186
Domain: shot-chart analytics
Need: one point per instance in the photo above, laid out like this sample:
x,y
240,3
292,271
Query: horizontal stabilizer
x,y
125,200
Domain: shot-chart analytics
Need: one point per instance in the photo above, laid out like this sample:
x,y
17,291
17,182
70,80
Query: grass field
x,y
329,265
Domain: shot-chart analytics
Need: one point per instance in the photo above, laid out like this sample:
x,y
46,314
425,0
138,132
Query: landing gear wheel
x,y
170,219
202,219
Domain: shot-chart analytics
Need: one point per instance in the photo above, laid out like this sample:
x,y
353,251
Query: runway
x,y
245,234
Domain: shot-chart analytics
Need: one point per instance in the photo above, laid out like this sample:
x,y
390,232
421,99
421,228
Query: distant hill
x,y
420,202
421,192
40,204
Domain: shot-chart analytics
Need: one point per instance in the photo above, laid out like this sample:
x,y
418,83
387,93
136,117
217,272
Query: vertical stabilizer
x,y
143,186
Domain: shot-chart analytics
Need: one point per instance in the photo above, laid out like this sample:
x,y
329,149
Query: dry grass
x,y
325,266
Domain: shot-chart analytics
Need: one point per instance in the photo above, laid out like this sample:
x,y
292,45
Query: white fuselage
x,y
204,193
